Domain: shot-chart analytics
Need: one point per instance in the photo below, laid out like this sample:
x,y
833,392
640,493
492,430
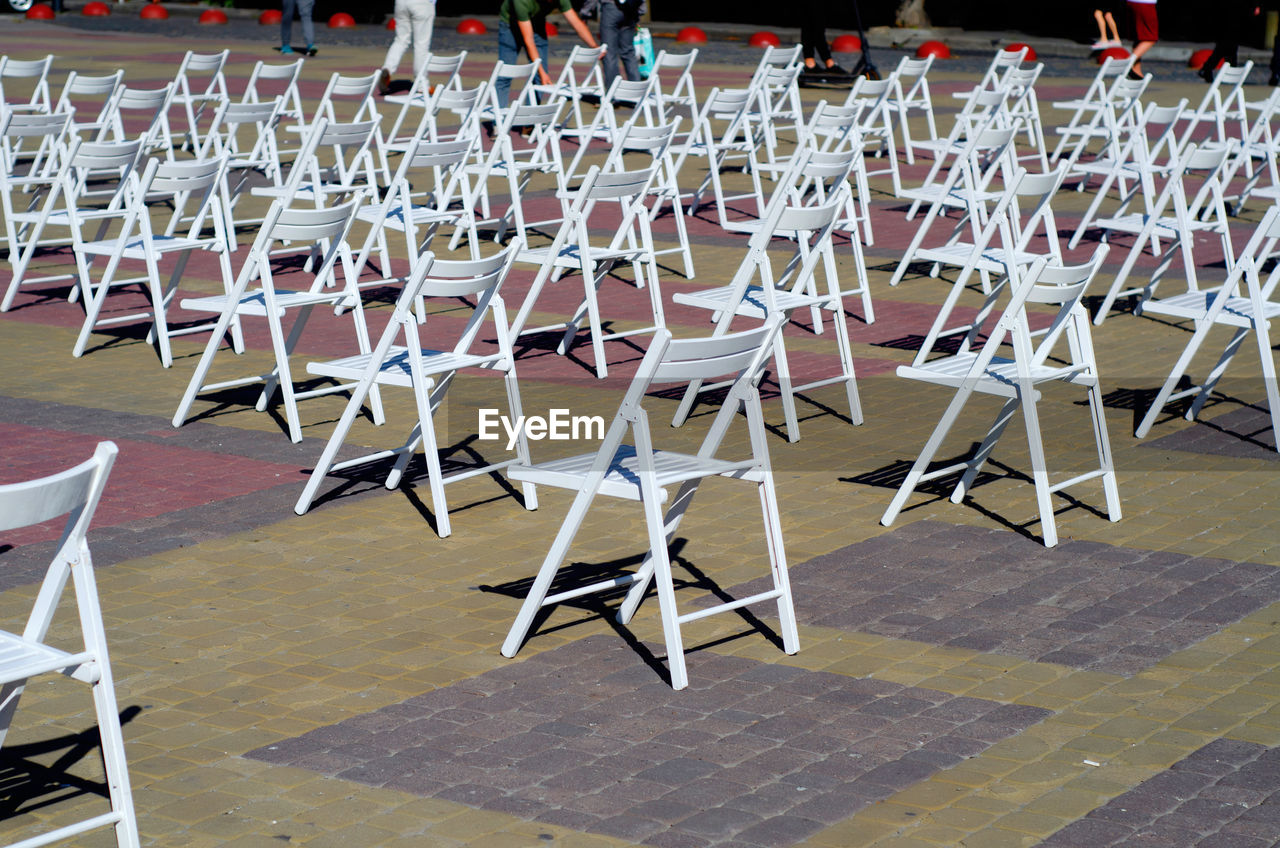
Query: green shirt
x,y
531,10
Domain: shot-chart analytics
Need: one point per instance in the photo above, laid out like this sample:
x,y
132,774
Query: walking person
x,y
414,20
1146,27
1234,20
303,8
523,26
618,21
1105,20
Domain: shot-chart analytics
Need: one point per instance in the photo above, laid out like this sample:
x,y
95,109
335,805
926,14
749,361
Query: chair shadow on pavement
x,y
27,785
686,576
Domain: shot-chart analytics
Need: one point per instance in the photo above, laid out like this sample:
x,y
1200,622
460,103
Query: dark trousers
x,y
813,30
618,32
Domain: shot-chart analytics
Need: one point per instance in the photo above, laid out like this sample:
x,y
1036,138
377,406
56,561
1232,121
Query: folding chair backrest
x,y
468,277
618,185
520,77
678,87
306,224
534,115
446,70
712,357
15,126
74,493
35,69
1004,61
210,64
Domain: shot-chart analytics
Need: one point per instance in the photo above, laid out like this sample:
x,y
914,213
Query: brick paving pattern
x,y
752,754
1083,604
1225,795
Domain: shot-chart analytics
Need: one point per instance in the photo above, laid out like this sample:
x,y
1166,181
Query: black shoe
x,y
1131,75
836,70
384,82
311,50
1205,74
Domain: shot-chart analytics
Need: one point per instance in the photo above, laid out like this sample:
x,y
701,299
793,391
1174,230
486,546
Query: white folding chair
x,y
430,372
177,183
580,76
1024,109
969,184
147,111
1174,217
605,125
1260,144
658,143
519,78
324,230
36,70
632,243
781,295
777,105
1132,145
64,205
681,91
444,70
875,126
1033,363
735,142
350,166
915,98
245,133
641,472
194,102
74,493
90,97
1222,102
1085,107
267,82
1225,306
49,134
1005,61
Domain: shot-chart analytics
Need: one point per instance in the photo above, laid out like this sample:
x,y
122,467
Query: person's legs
x,y
308,28
508,53
404,33
627,42
611,35
1147,31
1115,31
423,14
286,22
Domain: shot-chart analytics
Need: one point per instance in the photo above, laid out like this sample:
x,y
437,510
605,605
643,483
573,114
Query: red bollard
x,y
764,39
691,35
154,12
40,12
269,17
936,49
1031,51
95,9
342,21
1112,53
215,17
470,26
846,44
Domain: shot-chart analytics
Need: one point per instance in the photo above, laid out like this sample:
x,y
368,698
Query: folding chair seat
x,y
1174,218
74,493
1033,363
430,372
782,295
571,249
99,91
325,231
445,71
137,240
915,98
1085,107
1225,306
269,81
36,70
195,102
63,204
518,165
440,199
641,472
680,92
580,76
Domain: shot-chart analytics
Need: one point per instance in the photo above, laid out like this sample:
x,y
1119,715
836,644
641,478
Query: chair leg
x,y
1179,368
665,586
522,442
983,453
1263,337
1110,486
1039,470
1215,374
644,574
845,353
778,565
927,454
785,383
282,375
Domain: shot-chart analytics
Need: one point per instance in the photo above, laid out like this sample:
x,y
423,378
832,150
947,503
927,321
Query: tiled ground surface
x,y
334,679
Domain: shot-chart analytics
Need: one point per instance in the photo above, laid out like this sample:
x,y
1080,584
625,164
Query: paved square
x,y
584,736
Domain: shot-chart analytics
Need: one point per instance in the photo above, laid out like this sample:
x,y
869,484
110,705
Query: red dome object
x,y
213,16
764,39
342,21
1198,58
269,17
154,12
96,9
936,49
691,35
552,30
1112,53
1031,51
846,44
470,26
391,24
40,12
